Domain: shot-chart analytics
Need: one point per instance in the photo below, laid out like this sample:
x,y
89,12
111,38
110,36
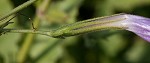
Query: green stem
x,y
48,33
20,7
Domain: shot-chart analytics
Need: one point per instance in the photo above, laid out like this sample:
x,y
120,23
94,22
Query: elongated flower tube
x,y
137,24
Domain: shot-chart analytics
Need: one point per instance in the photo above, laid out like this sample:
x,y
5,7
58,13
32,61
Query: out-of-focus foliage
x,y
8,43
108,46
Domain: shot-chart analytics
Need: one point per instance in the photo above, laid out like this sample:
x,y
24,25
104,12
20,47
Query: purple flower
x,y
137,24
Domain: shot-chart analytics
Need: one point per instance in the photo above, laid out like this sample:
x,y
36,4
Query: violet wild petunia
x,y
137,24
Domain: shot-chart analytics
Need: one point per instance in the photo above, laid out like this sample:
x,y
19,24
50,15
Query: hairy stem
x,y
28,31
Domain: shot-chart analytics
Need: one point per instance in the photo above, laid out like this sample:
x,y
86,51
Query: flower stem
x,y
29,31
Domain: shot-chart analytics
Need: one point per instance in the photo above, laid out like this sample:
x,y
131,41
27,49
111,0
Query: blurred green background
x,y
108,46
